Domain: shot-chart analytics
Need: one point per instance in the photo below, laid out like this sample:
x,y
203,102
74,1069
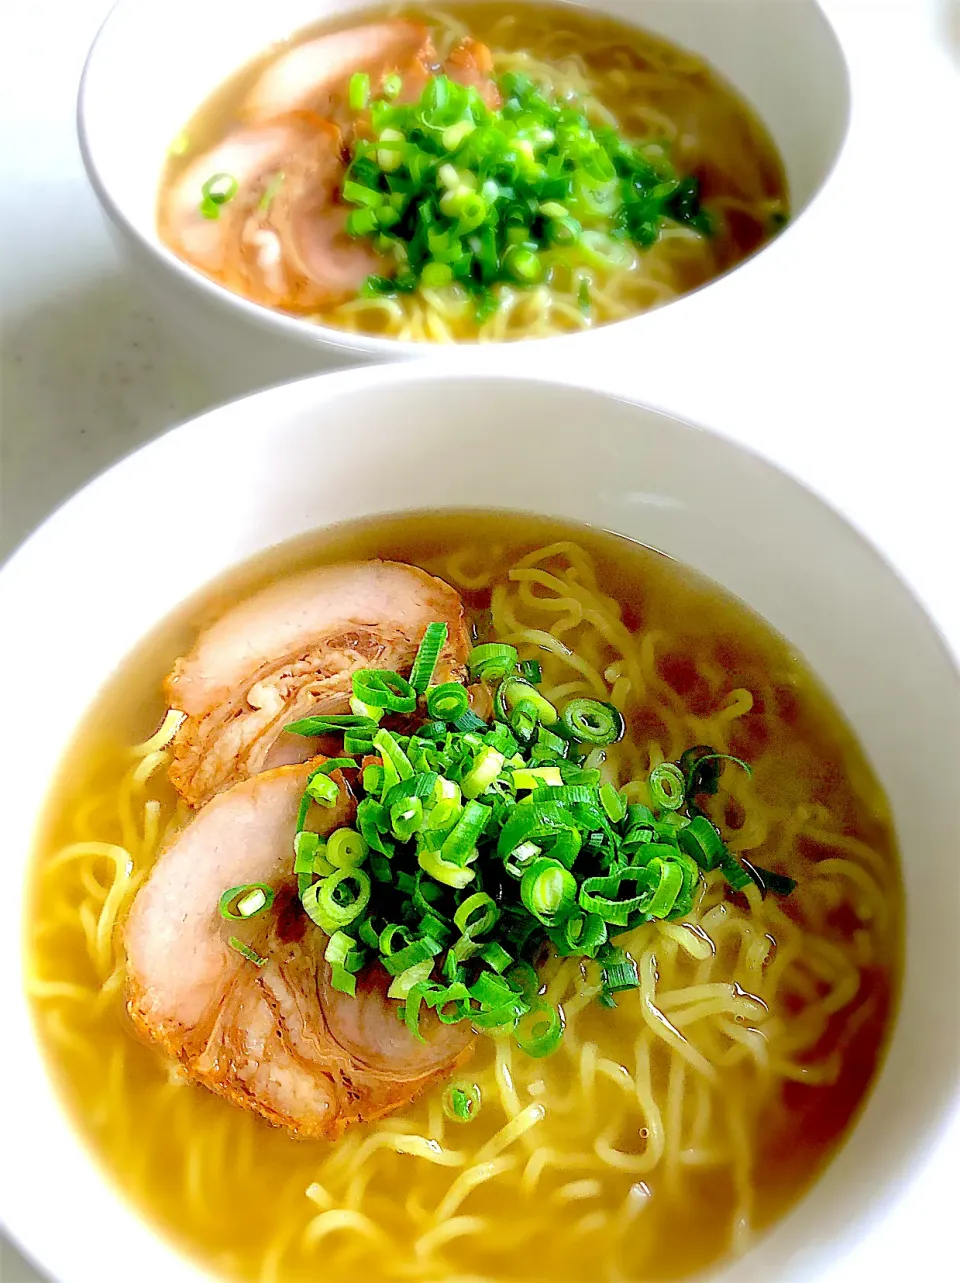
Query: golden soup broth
x,y
662,1135
651,91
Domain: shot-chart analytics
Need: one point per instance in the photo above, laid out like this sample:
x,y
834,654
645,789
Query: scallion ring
x,y
667,786
549,891
592,721
338,899
219,188
382,688
539,1031
247,901
491,661
461,1102
447,702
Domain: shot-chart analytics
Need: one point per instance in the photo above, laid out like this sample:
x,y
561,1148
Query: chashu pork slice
x,y
290,651
276,1039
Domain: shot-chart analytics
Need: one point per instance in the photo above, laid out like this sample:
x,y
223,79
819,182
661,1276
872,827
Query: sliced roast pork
x,y
276,1038
291,651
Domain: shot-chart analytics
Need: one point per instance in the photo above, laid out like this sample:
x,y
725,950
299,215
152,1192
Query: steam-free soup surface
x,y
556,245
663,1134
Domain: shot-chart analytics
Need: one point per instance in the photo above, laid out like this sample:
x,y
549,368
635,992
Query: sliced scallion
x,y
421,674
248,901
461,1102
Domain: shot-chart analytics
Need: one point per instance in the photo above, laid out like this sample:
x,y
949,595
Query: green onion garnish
x,y
476,845
767,880
701,768
322,789
331,724
251,955
667,788
247,901
491,661
381,688
216,191
461,1102
476,198
548,891
270,191
447,702
538,1031
591,721
421,674
359,92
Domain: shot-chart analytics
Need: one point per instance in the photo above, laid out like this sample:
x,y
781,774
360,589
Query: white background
x,y
853,384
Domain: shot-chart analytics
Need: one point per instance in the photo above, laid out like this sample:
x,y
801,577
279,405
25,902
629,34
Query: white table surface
x,y
863,404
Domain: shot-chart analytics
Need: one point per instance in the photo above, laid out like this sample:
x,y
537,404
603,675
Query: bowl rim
x,y
310,335
319,390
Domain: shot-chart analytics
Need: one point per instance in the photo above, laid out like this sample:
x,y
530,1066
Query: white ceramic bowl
x,y
155,61
148,533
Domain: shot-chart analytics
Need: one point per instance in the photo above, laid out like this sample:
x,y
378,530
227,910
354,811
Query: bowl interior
x,y
110,564
166,56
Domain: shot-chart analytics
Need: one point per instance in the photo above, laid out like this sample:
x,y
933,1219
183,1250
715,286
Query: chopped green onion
x,y
621,975
447,702
346,848
476,846
461,1102
359,93
330,724
406,818
469,721
384,689
538,777
413,975
341,954
531,671
485,197
767,880
247,901
612,802
476,915
270,192
251,955
592,721
549,891
486,769
734,872
491,661
666,785
445,871
324,790
338,899
523,264
495,956
219,189
432,643
539,1031
366,711
392,754
465,834
700,840
513,690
